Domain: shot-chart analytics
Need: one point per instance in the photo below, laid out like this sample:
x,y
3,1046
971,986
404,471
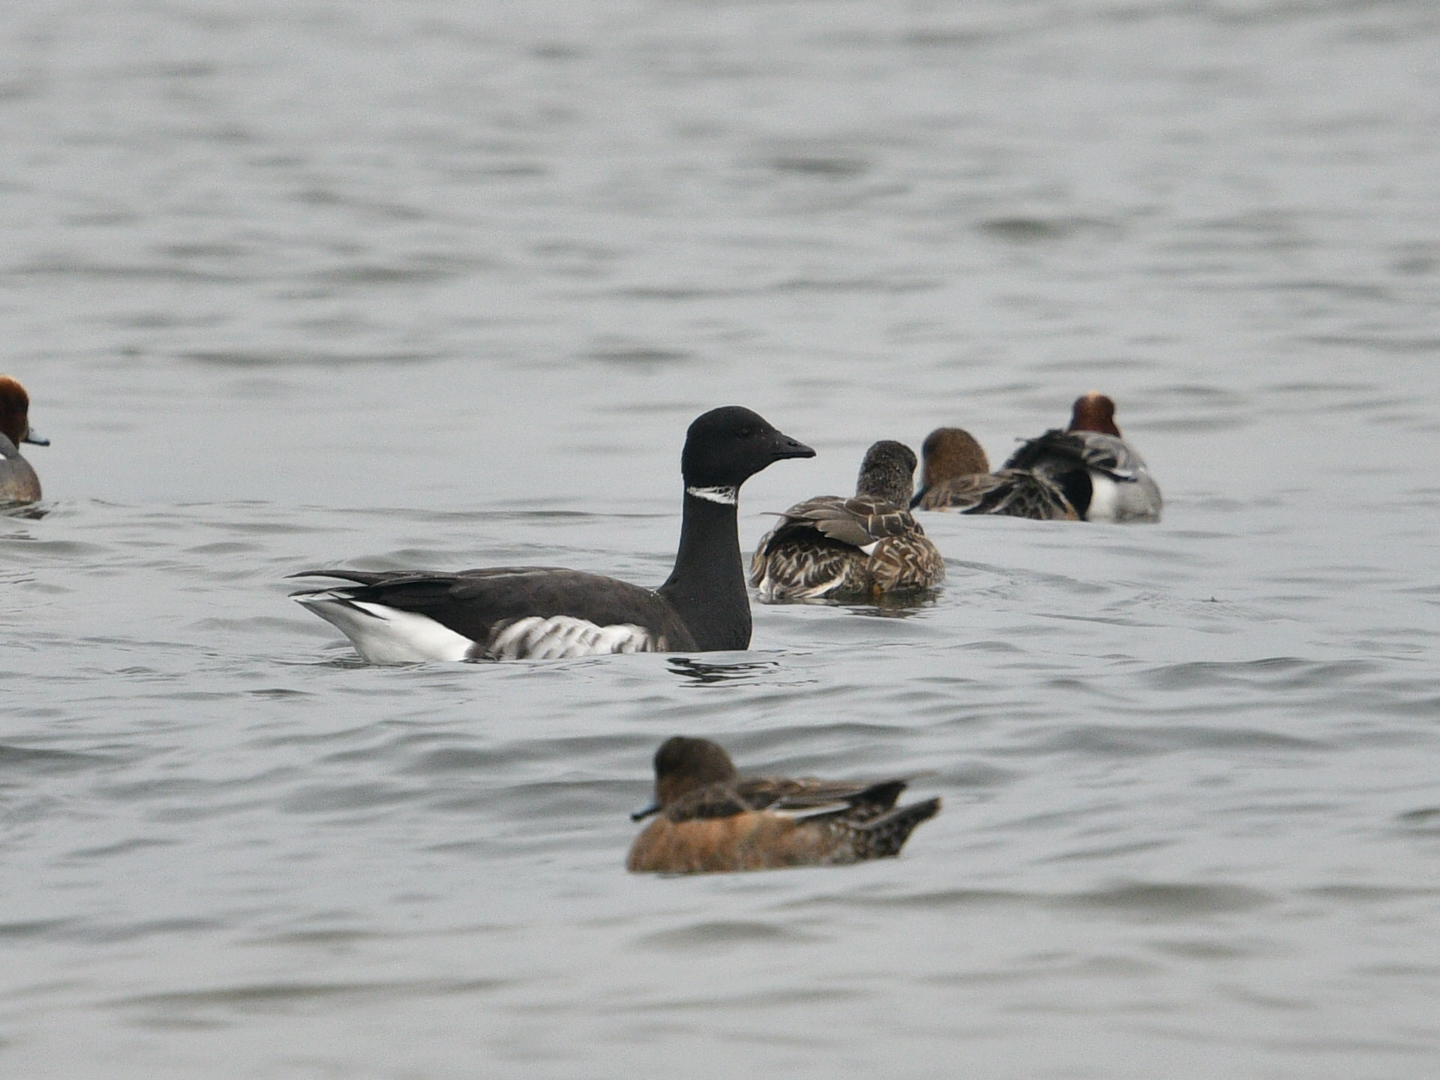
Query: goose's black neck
x,y
707,586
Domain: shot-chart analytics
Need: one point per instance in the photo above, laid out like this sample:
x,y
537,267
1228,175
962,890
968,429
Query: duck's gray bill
x,y
645,811
33,436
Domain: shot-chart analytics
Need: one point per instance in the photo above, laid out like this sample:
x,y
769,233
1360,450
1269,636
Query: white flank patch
x,y
534,638
1104,498
725,496
386,635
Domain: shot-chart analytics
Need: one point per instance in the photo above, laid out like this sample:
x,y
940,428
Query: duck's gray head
x,y
887,473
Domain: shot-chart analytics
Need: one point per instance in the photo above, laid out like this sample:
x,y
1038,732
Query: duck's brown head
x,y
15,413
683,765
1094,412
949,452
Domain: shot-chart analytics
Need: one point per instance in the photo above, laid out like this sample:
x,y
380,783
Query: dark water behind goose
x,y
434,284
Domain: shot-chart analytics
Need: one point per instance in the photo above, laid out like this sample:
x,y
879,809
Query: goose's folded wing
x,y
473,602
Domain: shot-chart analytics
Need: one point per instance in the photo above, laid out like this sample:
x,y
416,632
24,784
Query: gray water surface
x,y
441,284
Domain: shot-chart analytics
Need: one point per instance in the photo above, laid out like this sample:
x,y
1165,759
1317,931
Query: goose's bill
x,y
786,447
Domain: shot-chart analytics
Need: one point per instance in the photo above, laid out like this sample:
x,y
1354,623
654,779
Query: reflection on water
x,y
701,671
894,605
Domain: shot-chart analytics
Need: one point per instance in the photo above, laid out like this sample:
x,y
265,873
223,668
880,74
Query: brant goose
x,y
957,476
541,612
831,546
1101,476
712,820
18,482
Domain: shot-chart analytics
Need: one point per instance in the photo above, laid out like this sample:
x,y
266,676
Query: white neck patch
x,y
725,496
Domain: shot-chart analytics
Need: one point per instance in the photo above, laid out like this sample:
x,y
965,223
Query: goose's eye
x,y
747,432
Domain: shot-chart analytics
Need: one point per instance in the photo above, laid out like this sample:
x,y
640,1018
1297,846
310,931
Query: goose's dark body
x,y
480,605
549,612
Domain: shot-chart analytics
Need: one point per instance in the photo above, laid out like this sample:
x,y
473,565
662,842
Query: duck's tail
x,y
885,836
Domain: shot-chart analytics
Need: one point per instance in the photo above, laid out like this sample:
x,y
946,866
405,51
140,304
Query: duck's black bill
x,y
645,811
786,447
33,436
918,496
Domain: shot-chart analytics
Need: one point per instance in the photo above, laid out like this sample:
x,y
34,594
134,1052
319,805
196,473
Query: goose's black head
x,y
887,473
725,447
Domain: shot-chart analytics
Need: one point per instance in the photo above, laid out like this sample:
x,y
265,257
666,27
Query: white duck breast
x,y
1104,498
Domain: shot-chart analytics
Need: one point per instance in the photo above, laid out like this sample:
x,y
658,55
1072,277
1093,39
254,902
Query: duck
x,y
831,546
1101,475
18,481
956,476
712,820
543,612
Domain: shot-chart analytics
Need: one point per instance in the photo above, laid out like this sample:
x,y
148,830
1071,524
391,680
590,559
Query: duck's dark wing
x,y
858,522
711,801
1059,450
1009,493
859,800
478,604
1024,494
885,835
957,493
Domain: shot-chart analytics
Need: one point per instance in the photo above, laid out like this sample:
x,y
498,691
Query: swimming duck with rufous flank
x,y
18,481
831,546
712,820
